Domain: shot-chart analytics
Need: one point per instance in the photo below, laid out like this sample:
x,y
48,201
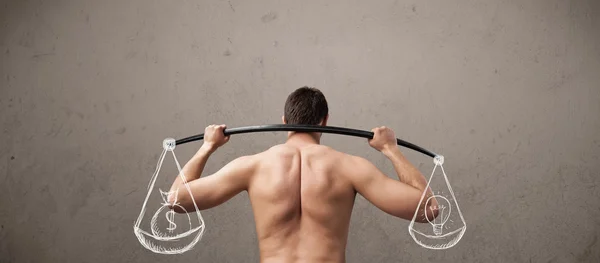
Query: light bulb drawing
x,y
443,208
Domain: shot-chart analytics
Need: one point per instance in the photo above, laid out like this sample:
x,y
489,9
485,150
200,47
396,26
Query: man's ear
x,y
283,120
324,122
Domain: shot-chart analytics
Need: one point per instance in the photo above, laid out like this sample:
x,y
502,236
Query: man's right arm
x,y
407,173
401,197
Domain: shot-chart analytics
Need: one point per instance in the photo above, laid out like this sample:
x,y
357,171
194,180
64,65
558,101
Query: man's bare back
x,y
302,204
302,193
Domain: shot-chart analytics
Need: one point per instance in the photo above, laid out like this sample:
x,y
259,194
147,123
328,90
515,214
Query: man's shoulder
x,y
267,155
338,160
282,150
275,149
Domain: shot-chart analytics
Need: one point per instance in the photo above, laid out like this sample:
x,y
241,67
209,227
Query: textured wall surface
x,y
508,91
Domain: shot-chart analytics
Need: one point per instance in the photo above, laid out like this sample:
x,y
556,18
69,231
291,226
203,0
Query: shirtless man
x,y
302,193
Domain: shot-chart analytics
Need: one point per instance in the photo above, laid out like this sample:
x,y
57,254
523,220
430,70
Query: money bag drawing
x,y
168,232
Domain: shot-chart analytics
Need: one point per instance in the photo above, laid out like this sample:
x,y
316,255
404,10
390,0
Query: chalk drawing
x,y
449,226
175,238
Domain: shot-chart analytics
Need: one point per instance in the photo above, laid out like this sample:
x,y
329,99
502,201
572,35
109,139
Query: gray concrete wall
x,y
508,91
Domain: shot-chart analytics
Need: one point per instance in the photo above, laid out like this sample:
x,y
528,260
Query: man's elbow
x,y
427,214
179,209
180,205
182,208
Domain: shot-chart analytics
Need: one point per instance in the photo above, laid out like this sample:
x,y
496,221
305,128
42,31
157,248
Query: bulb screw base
x,y
437,229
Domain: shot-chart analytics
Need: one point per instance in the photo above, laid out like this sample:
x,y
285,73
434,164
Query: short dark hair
x,y
306,105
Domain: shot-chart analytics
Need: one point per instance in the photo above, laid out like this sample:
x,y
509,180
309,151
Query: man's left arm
x,y
217,188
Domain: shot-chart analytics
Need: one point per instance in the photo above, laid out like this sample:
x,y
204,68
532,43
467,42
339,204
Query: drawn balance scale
x,y
175,238
449,226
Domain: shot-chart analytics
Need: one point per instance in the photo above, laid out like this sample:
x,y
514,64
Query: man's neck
x,y
302,139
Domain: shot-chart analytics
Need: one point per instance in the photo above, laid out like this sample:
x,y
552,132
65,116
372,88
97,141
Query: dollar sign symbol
x,y
170,217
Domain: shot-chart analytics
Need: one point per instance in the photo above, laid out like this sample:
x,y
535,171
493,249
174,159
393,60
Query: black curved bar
x,y
305,128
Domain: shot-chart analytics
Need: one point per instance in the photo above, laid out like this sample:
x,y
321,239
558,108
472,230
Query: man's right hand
x,y
383,138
